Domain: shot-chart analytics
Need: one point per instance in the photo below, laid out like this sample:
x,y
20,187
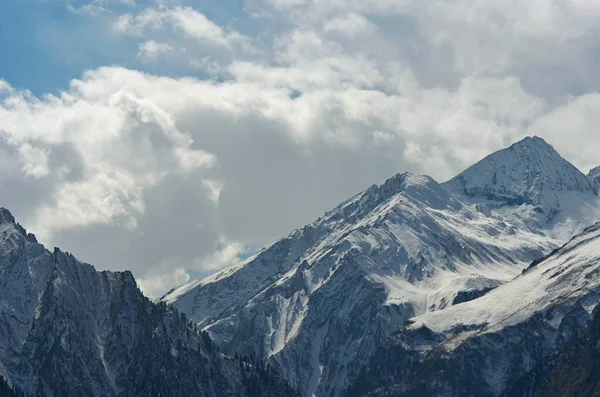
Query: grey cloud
x,y
272,183
178,226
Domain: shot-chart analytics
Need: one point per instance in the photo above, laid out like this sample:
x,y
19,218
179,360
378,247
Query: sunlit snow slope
x,y
535,335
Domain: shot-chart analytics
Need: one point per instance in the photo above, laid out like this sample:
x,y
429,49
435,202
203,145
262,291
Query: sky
x,y
174,138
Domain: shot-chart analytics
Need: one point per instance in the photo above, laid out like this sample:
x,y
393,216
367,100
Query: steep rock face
x,y
536,335
319,302
528,172
68,330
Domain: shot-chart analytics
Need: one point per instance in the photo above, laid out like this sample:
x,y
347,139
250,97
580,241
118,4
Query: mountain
x,y
537,335
594,176
528,172
6,390
319,302
68,330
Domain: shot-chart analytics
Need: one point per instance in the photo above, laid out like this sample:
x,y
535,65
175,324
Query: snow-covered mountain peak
x,y
422,190
534,141
418,187
8,224
528,172
6,216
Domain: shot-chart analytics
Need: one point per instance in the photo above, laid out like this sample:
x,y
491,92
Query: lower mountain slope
x,y
68,330
319,302
537,335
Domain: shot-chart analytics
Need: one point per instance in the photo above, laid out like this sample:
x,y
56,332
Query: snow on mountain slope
x,y
530,171
569,273
319,302
514,341
530,183
68,330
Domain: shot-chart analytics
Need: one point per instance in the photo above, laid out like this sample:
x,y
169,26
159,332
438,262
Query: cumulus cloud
x,y
150,50
191,22
121,143
176,176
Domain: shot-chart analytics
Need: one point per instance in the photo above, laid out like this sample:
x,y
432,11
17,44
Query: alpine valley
x,y
485,285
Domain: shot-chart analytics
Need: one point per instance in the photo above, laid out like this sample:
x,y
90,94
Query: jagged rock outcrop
x,y
68,330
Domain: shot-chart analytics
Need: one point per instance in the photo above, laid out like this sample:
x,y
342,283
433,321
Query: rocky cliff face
x,y
536,335
68,330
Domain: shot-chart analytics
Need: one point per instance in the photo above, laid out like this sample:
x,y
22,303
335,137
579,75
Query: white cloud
x,y
122,144
4,86
214,189
574,129
168,275
227,254
34,161
191,22
96,7
351,24
150,50
156,286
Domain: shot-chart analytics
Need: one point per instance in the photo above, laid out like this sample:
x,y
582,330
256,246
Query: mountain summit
x,y
6,216
529,172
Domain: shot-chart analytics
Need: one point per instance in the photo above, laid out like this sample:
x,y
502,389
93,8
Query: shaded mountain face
x,y
6,390
528,172
537,335
68,330
319,302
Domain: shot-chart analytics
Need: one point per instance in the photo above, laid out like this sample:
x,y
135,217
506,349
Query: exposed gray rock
x,y
68,330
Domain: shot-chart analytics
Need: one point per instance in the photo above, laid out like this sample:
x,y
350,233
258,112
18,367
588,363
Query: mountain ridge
x,y
407,247
68,330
